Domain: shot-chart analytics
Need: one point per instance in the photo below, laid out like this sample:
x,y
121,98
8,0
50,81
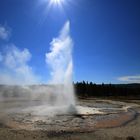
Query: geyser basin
x,y
45,110
88,116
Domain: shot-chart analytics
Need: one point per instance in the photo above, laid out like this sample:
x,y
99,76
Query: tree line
x,y
89,89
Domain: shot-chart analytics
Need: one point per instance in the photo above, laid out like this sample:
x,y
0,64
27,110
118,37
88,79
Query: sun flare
x,y
56,2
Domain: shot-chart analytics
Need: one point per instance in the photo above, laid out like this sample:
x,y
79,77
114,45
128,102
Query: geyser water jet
x,y
61,64
60,90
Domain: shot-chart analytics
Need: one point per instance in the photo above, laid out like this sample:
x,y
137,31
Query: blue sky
x,y
106,36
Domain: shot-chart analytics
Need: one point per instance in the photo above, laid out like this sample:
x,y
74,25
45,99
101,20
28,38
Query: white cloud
x,y
16,69
15,58
130,79
4,33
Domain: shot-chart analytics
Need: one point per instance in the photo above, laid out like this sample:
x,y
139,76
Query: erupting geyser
x,y
60,92
60,61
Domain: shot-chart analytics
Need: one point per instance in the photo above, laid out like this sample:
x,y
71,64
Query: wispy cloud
x,y
130,79
15,68
1,57
4,32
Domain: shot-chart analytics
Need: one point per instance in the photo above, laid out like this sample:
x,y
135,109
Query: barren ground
x,y
120,121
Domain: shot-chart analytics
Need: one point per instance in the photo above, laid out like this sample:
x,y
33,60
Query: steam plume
x,y
60,61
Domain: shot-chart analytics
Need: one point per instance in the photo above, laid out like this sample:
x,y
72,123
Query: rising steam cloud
x,y
60,61
60,58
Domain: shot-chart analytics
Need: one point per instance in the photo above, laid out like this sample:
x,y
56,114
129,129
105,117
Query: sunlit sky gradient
x,y
106,35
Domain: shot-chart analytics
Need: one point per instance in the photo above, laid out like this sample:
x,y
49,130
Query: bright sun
x,y
53,4
56,1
